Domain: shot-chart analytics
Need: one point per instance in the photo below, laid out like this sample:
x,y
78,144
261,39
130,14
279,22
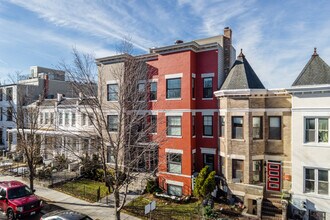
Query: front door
x,y
274,176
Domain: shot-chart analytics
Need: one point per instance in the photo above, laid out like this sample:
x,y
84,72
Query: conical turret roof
x,y
316,72
242,76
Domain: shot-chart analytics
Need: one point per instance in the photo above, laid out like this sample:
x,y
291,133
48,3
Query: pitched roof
x,y
242,76
316,72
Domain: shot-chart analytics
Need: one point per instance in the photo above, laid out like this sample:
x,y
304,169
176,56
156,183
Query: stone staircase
x,y
272,207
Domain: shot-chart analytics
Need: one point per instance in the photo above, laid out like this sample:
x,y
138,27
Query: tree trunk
x,y
117,202
31,177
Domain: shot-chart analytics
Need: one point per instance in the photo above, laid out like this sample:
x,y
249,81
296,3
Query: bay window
x,y
237,127
173,88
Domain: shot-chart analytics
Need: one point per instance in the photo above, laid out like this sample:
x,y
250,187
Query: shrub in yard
x,y
45,173
61,162
205,183
151,185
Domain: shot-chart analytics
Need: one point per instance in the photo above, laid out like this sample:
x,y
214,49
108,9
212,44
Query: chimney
x,y
178,42
59,97
227,46
227,32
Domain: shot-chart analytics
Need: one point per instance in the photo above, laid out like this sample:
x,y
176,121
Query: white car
x,y
65,215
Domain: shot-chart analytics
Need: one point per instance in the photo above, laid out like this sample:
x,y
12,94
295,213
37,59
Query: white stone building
x,y
310,141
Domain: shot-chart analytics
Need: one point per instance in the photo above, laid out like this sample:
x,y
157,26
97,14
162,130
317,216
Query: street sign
x,y
151,206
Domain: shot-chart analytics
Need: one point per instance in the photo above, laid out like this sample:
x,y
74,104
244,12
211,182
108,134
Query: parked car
x,y
65,215
17,200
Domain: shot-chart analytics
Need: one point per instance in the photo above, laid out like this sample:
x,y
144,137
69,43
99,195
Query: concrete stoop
x,y
272,207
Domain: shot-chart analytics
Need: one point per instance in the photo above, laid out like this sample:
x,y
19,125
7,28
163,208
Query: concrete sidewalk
x,y
94,210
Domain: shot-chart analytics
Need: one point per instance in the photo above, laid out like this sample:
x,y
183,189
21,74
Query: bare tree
x,y
119,115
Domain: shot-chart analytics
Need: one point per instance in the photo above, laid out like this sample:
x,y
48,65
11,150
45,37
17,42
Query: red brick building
x,y
185,76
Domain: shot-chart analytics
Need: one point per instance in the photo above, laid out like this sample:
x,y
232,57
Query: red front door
x,y
274,176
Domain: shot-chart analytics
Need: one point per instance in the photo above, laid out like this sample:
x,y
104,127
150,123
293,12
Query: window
x,y
316,181
207,125
0,94
41,115
141,91
113,122
46,117
323,130
85,144
309,180
9,114
1,113
257,171
193,126
310,130
193,88
174,190
237,127
153,123
257,127
73,119
153,91
174,125
9,94
1,136
174,163
112,92
238,170
84,119
208,160
110,155
207,88
60,118
66,118
222,126
173,88
52,118
274,128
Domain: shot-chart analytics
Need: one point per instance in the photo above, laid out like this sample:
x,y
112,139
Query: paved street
x,y
94,210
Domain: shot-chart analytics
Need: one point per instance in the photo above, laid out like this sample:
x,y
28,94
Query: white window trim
x,y
153,80
174,114
208,150
193,75
142,81
172,182
316,181
173,151
193,151
112,82
205,75
174,75
316,142
174,99
207,113
207,99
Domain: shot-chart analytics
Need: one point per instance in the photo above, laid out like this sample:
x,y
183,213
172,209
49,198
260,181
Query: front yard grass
x,y
164,209
84,189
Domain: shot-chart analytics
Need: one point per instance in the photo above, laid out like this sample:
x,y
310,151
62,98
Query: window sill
x,y
194,136
194,99
113,132
316,195
207,99
258,140
153,133
274,140
174,99
314,144
113,101
240,140
152,100
207,136
174,136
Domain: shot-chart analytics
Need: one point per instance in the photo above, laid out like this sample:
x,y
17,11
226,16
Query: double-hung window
x,y
316,181
238,170
207,87
316,130
113,123
46,118
9,94
237,127
112,92
221,126
9,113
174,163
141,91
66,118
60,118
275,126
73,119
193,87
257,127
174,190
173,88
153,123
153,91
193,125
173,125
207,125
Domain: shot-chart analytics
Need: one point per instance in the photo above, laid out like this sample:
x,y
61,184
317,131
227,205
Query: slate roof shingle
x,y
242,76
316,72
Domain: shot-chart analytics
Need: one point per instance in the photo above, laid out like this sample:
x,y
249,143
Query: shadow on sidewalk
x,y
90,205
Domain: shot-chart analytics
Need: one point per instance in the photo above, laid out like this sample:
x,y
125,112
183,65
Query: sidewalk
x,y
94,210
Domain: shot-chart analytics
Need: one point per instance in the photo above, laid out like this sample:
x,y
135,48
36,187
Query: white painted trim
x,y
239,193
174,151
207,99
258,157
175,174
169,136
274,157
236,156
174,99
204,75
153,80
174,75
112,82
193,151
207,113
207,136
173,113
142,81
272,110
222,154
193,113
176,183
193,75
208,150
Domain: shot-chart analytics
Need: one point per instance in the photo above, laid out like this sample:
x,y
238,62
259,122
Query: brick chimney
x,y
227,44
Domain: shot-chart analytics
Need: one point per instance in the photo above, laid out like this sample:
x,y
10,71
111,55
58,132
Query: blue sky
x,y
277,37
